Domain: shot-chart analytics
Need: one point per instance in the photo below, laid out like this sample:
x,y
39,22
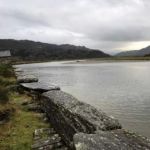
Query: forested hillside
x,y
30,50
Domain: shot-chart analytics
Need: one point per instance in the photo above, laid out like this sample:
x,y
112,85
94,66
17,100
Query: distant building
x,y
5,53
5,56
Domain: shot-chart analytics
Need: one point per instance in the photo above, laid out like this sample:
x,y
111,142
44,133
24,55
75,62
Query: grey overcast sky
x,y
104,24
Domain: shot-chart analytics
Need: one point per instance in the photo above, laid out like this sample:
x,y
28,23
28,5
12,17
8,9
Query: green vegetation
x,y
16,123
6,78
17,133
3,95
6,70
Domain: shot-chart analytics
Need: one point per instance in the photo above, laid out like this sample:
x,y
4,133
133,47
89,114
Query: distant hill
x,y
147,55
141,52
30,50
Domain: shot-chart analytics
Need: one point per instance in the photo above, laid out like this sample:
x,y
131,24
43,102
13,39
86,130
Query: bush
x,y
6,70
3,95
6,82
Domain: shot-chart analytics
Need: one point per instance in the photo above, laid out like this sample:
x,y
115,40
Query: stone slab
x,y
26,79
39,87
110,140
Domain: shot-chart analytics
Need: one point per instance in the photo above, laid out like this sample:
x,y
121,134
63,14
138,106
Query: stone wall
x,y
69,116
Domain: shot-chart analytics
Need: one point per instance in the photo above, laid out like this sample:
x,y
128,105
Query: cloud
x,y
103,24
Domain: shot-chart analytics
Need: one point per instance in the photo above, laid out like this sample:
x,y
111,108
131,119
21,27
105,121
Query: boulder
x,y
39,87
110,140
69,116
27,79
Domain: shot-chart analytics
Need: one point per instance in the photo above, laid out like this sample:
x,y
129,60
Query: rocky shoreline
x,y
80,125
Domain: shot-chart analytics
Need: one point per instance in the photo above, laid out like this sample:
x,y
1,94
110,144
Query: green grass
x,y
3,95
6,78
6,82
4,86
17,134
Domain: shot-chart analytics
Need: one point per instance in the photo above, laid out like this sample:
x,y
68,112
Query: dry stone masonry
x,y
47,139
69,116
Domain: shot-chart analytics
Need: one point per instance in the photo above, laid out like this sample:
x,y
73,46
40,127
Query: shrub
x,y
6,70
3,95
6,82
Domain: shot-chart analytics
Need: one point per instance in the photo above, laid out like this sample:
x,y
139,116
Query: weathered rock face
x,y
26,79
39,87
69,116
110,140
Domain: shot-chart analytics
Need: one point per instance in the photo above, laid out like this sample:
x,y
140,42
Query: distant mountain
x,y
141,52
30,50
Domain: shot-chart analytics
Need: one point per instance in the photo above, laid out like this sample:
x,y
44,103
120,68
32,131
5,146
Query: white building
x,y
5,53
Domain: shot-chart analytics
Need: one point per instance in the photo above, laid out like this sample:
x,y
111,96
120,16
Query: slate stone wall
x,y
69,116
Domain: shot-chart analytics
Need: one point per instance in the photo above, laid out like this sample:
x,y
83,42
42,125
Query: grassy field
x,y
17,130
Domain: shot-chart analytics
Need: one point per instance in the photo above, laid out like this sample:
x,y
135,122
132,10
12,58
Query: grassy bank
x,y
115,58
7,79
16,123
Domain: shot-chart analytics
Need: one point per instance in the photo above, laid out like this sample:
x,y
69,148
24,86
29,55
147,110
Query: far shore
x,y
89,60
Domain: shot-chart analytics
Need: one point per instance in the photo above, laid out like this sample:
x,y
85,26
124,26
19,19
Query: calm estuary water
x,y
119,89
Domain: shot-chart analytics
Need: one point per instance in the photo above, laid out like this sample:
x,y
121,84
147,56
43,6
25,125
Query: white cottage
x,y
5,53
5,56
